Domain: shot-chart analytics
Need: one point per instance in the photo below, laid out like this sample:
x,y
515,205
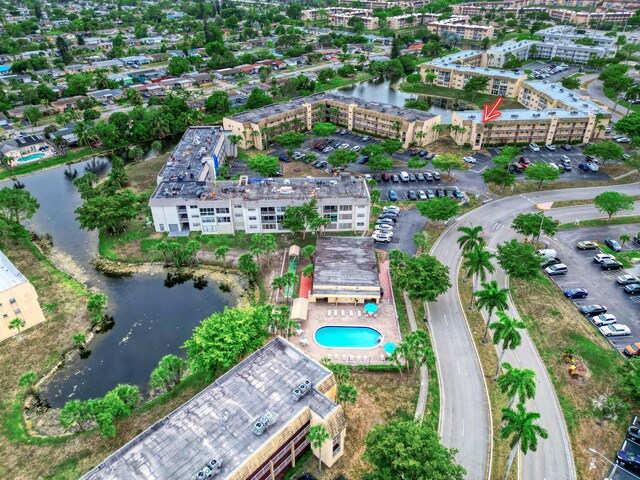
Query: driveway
x,y
409,223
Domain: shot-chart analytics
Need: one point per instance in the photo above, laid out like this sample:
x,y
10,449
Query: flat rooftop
x,y
523,114
265,189
217,423
494,72
458,56
512,45
254,116
186,160
10,276
345,261
570,98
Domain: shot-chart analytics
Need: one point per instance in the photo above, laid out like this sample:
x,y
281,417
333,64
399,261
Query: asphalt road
x,y
464,414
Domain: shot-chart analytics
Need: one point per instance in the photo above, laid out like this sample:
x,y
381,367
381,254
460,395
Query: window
x,y
162,227
196,224
16,311
193,206
224,219
346,208
222,210
253,219
207,211
336,445
253,227
360,224
12,300
344,226
238,214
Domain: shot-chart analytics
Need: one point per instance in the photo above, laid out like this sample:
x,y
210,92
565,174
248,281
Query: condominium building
x,y
459,26
545,50
18,299
252,423
408,20
257,127
568,34
340,16
584,18
257,205
384,4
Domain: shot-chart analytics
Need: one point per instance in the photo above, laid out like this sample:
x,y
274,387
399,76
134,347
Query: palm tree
x,y
524,433
517,382
506,331
491,298
279,283
347,393
17,324
290,280
85,134
471,238
438,128
624,238
60,143
317,436
632,95
100,79
396,126
420,136
477,264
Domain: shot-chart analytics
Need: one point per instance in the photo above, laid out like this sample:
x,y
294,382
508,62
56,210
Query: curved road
x,y
464,414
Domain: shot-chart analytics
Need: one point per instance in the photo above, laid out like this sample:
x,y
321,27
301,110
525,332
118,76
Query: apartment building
x,y
585,18
340,16
408,20
568,34
257,127
383,4
459,26
18,299
546,50
250,424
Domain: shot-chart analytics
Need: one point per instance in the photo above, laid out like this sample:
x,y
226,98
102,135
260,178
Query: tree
x,y
248,267
624,238
290,140
471,237
422,277
608,407
413,78
221,253
415,348
448,162
439,209
324,129
63,49
408,450
499,176
178,65
79,340
308,271
309,252
218,103
520,425
265,165
629,125
17,324
257,98
78,413
477,263
108,211
278,283
303,218
33,115
607,150
263,243
572,83
136,154
517,383
317,436
168,373
476,84
505,330
380,162
535,224
347,393
491,297
340,158
613,203
519,260
225,337
179,254
17,204
541,171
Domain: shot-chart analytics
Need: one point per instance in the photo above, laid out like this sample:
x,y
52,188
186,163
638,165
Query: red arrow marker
x,y
490,112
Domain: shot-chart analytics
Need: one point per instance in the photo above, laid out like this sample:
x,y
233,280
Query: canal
x,y
152,319
388,91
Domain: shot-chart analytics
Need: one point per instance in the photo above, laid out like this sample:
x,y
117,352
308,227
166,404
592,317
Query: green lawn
x,y
478,99
73,156
622,105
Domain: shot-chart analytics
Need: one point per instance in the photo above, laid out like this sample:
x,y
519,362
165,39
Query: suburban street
x,y
464,416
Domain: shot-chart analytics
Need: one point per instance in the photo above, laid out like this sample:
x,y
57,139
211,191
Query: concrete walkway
x,y
424,373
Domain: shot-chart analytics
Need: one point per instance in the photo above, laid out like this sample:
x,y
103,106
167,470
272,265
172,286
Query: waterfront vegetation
x,y
478,99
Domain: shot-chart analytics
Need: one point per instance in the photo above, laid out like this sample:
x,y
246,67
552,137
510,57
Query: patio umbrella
x,y
370,308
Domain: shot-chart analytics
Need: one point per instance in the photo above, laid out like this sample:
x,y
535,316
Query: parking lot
x,y
601,285
409,223
556,77
576,156
621,473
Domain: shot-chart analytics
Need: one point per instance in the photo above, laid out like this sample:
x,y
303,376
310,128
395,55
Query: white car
x,y
565,159
384,229
381,237
601,257
604,319
551,148
422,195
469,159
615,330
627,279
343,146
356,148
534,147
391,208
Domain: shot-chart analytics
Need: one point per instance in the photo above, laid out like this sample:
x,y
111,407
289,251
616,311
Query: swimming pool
x,y
29,158
347,337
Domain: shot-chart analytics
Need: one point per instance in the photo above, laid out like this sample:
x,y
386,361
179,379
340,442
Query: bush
x,y
417,162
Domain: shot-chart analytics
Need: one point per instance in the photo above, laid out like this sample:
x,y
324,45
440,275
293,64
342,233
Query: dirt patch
x,y
301,170
142,175
382,396
618,168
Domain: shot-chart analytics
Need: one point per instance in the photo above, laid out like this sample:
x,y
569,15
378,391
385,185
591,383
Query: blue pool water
x,y
28,158
348,337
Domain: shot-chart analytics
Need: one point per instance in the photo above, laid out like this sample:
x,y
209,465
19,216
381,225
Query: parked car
x,y
284,159
430,194
613,244
628,459
381,237
389,215
412,177
566,147
366,138
633,289
430,156
469,159
307,476
565,159
633,433
593,309
420,177
615,330
356,148
552,261
385,221
395,178
627,280
611,265
386,177
633,350
411,195
622,140
422,195
588,167
604,319
391,208
428,177
440,192
551,148
393,196
362,159
422,153
377,177
436,175
586,245
601,257
457,193
576,293
557,269
386,229
534,147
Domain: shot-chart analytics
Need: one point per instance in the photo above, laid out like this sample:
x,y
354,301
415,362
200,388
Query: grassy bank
x,y
531,186
489,360
600,222
74,155
478,99
576,203
556,327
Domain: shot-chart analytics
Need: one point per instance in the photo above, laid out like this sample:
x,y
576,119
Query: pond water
x,y
388,91
151,319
